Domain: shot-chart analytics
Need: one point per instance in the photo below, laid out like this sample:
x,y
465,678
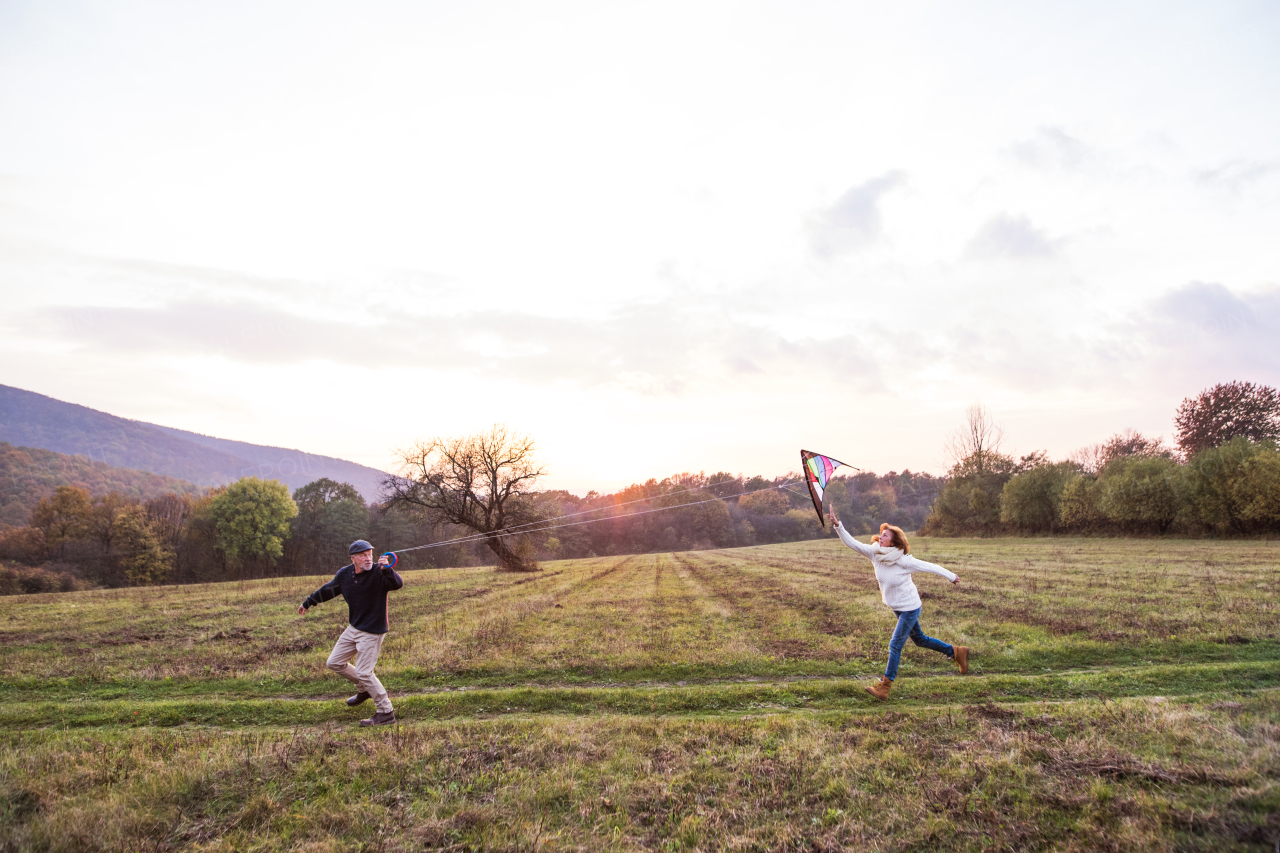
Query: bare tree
x,y
1090,458
1094,457
977,442
483,482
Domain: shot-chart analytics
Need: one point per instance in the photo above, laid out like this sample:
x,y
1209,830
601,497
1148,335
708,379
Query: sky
x,y
657,237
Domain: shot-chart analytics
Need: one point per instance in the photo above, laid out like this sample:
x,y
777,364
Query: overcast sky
x,y
657,236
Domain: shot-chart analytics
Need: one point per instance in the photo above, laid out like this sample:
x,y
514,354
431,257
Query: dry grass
x,y
1133,775
686,701
1023,605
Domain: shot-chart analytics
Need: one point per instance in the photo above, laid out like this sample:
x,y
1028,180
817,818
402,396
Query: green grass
x,y
1123,695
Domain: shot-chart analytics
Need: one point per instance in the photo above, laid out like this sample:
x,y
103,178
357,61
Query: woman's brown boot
x,y
880,689
962,658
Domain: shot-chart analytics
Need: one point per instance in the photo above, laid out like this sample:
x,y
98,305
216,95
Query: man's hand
x,y
302,610
384,560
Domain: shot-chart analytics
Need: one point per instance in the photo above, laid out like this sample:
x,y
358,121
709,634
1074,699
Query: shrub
x,y
1234,485
1142,494
1078,508
1259,490
970,501
1031,501
26,580
805,522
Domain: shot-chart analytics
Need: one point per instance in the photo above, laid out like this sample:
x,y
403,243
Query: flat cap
x,y
358,546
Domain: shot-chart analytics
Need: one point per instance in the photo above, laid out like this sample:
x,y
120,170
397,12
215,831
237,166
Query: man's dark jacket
x,y
366,595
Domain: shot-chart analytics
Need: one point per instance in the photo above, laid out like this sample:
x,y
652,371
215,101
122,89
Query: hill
x,y
292,467
28,474
34,420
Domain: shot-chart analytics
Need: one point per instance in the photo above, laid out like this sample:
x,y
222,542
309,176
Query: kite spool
x,y
392,555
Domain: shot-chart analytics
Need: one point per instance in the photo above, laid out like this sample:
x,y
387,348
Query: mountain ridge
x,y
29,419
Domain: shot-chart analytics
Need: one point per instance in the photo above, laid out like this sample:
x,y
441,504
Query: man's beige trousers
x,y
364,648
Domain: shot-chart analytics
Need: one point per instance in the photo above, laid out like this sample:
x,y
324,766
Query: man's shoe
x,y
380,719
962,658
357,699
880,689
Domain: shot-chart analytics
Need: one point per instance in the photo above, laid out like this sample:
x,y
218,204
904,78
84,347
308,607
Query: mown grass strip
x,y
657,701
317,683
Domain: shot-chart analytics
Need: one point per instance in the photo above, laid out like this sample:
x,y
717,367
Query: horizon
x,y
580,493
656,239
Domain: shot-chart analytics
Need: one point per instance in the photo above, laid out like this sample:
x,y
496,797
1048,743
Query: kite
x,y
817,473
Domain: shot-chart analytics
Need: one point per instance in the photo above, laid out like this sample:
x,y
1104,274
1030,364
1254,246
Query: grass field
x,y
1124,695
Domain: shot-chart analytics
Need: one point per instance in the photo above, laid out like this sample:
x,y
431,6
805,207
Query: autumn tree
x,y
103,523
195,538
143,557
1224,412
63,517
483,482
769,502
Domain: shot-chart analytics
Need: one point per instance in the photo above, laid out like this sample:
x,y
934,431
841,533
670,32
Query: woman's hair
x,y
899,538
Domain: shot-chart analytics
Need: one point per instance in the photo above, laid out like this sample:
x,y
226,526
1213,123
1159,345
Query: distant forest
x,y
28,474
71,523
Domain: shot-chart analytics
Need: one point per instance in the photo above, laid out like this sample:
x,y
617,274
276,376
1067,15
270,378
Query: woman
x,y
891,555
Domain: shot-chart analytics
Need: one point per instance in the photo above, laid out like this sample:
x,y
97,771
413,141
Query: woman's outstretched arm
x,y
864,550
915,564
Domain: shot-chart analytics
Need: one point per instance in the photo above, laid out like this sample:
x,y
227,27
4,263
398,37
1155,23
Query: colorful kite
x,y
817,473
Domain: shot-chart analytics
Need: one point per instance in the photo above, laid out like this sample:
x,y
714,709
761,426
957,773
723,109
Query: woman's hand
x,y
956,582
831,517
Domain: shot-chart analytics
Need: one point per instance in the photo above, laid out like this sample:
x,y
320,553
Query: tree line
x,y
474,501
1221,476
255,528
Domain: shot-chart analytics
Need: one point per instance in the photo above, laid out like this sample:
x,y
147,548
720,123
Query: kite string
x,y
637,501
515,531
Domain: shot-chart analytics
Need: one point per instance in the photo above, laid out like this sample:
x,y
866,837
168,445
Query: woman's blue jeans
x,y
909,626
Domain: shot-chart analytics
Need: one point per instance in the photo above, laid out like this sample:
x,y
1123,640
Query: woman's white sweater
x,y
893,572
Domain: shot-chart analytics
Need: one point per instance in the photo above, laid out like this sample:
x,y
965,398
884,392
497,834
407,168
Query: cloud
x,y
1188,338
1206,329
1009,236
643,348
1052,148
1236,175
854,220
240,332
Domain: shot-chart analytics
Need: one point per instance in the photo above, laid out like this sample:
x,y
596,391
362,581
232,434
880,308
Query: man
x,y
366,593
